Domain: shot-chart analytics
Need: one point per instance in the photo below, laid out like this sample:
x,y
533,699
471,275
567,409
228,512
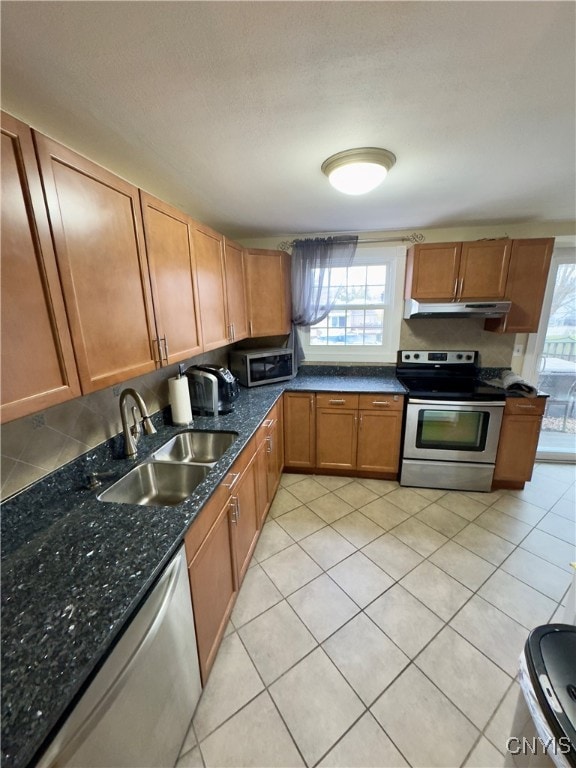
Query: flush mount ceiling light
x,y
357,171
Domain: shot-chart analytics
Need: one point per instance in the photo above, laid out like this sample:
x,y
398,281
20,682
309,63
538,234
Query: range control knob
x,y
406,357
459,356
416,356
468,357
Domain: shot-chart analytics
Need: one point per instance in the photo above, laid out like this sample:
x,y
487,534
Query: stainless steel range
x,y
452,423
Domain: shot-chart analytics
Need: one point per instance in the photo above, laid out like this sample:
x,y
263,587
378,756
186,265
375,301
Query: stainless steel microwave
x,y
254,367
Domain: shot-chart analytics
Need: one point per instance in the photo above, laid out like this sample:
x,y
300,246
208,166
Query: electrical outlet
x,y
518,350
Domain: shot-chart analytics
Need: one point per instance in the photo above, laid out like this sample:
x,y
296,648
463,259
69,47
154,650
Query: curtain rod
x,y
415,237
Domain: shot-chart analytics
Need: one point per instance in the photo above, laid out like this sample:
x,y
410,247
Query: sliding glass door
x,y
551,360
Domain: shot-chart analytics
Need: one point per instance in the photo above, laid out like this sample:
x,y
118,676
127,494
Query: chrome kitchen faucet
x,y
132,433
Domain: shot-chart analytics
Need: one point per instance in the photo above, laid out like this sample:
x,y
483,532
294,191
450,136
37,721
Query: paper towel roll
x,y
180,400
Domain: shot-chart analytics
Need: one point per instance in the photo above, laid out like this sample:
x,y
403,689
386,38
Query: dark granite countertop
x,y
75,569
333,378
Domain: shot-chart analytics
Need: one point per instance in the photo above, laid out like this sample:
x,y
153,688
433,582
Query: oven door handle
x,y
475,403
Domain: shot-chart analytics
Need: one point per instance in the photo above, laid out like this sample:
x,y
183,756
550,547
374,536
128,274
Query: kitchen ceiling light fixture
x,y
357,171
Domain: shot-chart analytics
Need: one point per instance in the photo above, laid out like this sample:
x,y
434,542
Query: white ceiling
x,y
227,109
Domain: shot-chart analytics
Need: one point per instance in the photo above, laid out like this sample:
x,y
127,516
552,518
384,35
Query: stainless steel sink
x,y
195,447
156,484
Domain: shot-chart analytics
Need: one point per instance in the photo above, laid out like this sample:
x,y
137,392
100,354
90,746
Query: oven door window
x,y
452,429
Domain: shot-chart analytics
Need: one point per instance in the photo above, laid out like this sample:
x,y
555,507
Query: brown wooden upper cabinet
x,y
458,271
97,230
235,290
172,275
268,290
525,286
37,359
211,281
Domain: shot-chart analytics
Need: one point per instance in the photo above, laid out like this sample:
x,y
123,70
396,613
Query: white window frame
x,y
369,254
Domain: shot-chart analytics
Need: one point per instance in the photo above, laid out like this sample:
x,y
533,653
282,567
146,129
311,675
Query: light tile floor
x,y
381,626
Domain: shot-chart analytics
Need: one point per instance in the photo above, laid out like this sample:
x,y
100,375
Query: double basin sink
x,y
172,472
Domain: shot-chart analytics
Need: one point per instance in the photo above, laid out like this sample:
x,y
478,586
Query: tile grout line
x,y
362,610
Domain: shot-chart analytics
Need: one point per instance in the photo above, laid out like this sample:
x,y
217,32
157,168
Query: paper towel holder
x,y
180,399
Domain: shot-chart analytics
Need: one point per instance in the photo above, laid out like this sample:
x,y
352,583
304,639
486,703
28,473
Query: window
x,y
364,324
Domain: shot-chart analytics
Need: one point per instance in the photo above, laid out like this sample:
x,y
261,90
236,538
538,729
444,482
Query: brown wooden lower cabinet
x,y
354,433
518,441
221,541
299,430
336,430
269,459
380,433
273,427
245,520
212,574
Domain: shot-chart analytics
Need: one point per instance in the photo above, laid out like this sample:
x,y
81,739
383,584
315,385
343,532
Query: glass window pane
x,y
376,275
557,374
374,318
356,275
376,294
337,336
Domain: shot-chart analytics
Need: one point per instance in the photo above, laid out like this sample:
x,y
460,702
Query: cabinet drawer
x,y
381,402
527,406
336,400
204,521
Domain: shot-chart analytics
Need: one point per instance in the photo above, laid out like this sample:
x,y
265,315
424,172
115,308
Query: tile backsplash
x,y
459,333
36,445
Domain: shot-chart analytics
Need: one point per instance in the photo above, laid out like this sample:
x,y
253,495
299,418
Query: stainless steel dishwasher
x,y
136,711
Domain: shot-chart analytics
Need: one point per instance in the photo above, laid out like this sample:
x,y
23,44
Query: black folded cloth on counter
x,y
511,382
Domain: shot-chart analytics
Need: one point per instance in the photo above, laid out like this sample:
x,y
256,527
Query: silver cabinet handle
x,y
460,292
530,407
337,402
267,423
455,291
269,444
381,403
250,327
234,508
166,349
233,481
157,344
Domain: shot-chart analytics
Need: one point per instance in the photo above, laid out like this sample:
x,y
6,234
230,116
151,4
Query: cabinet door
x,y
275,455
171,263
379,436
432,271
517,448
213,585
245,518
525,287
299,429
484,269
97,228
235,291
38,367
209,255
519,439
263,499
336,438
268,283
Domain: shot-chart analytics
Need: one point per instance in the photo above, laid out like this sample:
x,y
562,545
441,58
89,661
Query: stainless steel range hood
x,y
413,309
